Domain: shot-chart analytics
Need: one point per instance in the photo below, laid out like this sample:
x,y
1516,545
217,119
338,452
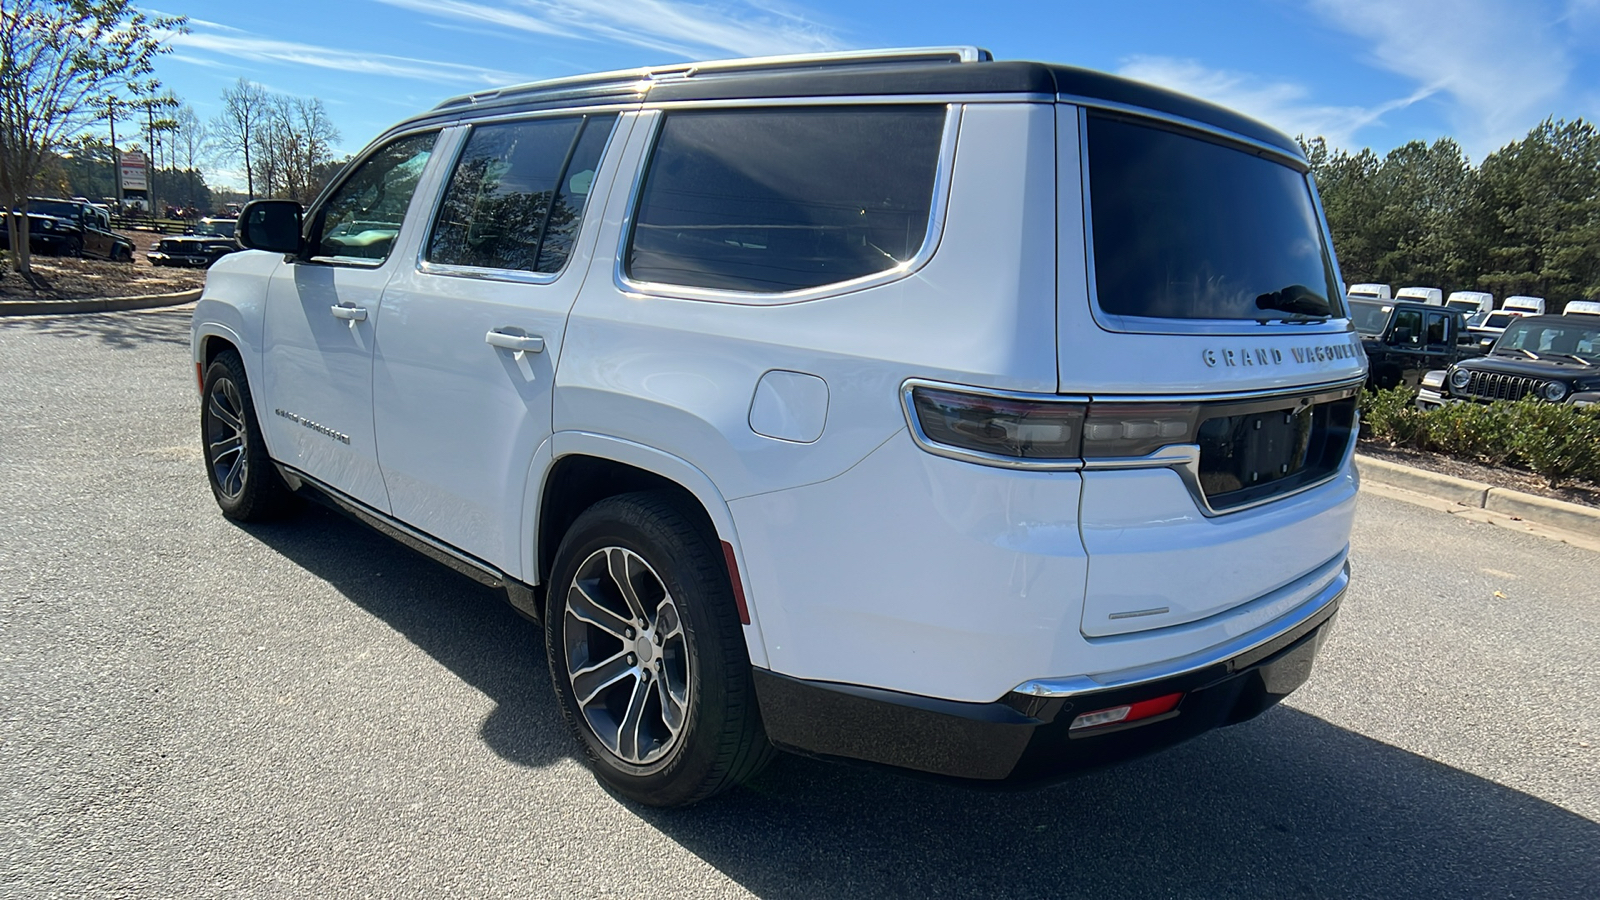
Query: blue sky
x,y
1372,73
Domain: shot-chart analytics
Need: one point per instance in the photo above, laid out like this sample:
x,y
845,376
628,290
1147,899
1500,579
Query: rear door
x,y
317,332
470,332
1199,307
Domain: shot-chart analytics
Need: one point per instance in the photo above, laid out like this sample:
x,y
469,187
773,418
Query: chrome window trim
x,y
1318,604
1183,459
930,240
850,100
488,273
1160,326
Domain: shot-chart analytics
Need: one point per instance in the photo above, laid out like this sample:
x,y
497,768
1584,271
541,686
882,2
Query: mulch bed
x,y
65,278
1501,476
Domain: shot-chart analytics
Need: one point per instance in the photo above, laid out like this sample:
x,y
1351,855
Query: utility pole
x,y
116,155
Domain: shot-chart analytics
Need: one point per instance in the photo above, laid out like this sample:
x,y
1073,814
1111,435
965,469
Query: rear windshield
x,y
1189,229
1498,320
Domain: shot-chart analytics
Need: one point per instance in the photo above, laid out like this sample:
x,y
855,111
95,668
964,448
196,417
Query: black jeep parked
x,y
70,228
1552,358
208,241
1405,340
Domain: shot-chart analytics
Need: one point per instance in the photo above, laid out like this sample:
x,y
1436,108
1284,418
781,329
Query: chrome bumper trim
x,y
1084,684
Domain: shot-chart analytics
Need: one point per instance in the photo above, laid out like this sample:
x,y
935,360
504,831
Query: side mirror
x,y
271,225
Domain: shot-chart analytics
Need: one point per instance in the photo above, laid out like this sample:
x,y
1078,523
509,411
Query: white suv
x,y
987,419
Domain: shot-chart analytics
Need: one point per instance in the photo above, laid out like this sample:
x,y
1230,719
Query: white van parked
x,y
1368,292
988,419
1471,302
1526,306
1430,296
1582,308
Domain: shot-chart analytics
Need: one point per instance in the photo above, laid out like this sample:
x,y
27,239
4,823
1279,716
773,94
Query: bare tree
x,y
57,58
235,129
293,144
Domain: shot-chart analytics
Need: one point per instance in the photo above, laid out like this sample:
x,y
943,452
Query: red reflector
x,y
1144,709
199,378
1121,715
738,586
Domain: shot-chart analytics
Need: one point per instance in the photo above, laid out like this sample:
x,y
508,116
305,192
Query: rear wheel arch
x,y
589,468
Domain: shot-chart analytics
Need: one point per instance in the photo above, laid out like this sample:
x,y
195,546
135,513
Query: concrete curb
x,y
93,305
1558,514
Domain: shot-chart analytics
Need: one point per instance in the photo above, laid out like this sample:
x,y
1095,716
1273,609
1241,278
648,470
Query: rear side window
x,y
1189,229
518,194
785,199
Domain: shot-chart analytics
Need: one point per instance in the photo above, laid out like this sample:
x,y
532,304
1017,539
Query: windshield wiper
x,y
1530,354
1583,359
1302,304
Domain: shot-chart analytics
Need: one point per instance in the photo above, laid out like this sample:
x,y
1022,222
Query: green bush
x,y
1474,431
1394,418
1556,441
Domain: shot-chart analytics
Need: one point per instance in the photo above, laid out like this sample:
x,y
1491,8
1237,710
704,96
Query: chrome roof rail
x,y
638,81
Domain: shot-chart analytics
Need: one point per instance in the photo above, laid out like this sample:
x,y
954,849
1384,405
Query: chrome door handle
x,y
350,313
522,343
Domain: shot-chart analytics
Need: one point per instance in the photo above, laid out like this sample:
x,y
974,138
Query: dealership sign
x,y
132,171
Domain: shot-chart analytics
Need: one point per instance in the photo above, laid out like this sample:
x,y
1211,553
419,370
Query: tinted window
x,y
1369,316
781,200
518,193
363,216
1407,327
1189,229
1436,329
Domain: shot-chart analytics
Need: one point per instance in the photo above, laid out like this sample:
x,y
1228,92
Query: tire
x,y
673,638
73,247
247,486
120,253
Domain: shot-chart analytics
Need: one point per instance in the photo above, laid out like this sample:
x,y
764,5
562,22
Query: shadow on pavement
x,y
119,330
468,628
1284,806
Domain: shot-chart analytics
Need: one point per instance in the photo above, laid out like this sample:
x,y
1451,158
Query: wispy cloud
x,y
1286,106
239,45
1504,63
738,28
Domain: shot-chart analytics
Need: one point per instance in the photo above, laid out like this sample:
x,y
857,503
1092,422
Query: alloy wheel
x,y
226,437
626,656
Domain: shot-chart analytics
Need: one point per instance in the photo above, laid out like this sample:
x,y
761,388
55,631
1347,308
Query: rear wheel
x,y
647,654
243,479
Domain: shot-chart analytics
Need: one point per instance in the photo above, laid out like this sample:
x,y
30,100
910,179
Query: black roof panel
x,y
875,79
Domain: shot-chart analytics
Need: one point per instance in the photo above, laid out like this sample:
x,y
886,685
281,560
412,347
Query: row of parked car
x,y
79,228
1463,349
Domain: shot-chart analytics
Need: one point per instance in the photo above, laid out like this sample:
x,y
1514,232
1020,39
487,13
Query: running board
x,y
522,597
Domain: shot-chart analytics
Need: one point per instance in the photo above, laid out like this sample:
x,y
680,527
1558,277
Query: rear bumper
x,y
1026,738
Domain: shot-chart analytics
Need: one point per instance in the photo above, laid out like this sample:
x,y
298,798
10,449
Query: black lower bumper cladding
x,y
1022,739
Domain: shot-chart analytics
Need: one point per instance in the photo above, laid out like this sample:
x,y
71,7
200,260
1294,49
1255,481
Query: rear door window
x,y
1185,228
775,200
518,193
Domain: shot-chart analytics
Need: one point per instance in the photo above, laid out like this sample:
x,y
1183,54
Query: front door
x,y
317,334
468,338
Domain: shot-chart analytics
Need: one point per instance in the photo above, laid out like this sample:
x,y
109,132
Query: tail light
x,y
1010,428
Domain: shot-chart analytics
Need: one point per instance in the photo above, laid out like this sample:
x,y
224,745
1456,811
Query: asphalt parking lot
x,y
193,709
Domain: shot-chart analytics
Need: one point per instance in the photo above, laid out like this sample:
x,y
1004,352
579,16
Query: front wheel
x,y
647,654
243,479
